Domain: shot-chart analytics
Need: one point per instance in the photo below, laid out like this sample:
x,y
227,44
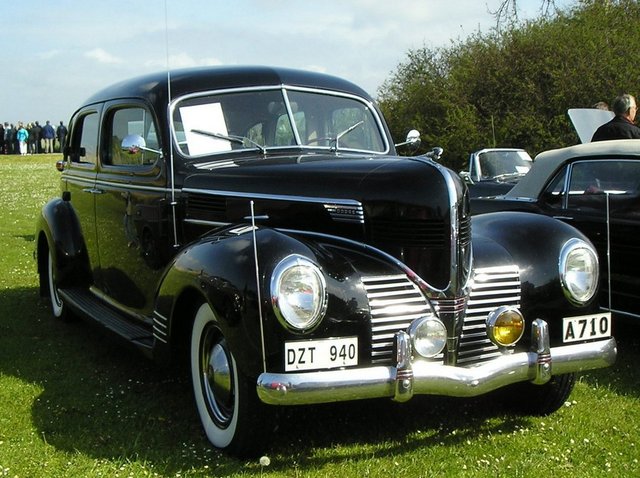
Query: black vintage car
x,y
257,223
596,188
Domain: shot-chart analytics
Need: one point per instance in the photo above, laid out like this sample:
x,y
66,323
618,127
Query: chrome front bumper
x,y
427,378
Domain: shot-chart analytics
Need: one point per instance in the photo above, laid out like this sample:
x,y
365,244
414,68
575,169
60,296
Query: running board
x,y
84,302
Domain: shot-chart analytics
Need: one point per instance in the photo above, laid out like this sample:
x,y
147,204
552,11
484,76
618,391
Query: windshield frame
x,y
285,91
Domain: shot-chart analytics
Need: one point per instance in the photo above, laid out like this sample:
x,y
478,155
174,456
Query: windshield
x,y
500,163
275,118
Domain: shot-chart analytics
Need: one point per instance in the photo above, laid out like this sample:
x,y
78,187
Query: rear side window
x,y
83,146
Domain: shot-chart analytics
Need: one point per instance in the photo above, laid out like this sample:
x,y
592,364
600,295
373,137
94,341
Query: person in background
x,y
37,131
61,134
48,136
22,135
31,143
2,151
8,138
622,125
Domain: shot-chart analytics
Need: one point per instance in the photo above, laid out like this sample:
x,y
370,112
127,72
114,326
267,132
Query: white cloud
x,y
181,60
103,56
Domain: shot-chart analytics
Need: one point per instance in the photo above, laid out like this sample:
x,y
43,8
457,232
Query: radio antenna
x,y
171,169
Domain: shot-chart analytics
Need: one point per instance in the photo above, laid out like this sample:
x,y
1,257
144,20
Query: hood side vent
x,y
204,207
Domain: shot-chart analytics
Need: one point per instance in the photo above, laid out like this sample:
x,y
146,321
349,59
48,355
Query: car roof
x,y
547,163
153,86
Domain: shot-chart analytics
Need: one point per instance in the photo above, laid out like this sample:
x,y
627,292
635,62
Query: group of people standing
x,y
31,138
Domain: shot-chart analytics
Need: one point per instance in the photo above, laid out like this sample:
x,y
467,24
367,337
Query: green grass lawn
x,y
75,403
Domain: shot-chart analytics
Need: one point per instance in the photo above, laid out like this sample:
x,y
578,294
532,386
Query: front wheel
x,y
542,399
232,416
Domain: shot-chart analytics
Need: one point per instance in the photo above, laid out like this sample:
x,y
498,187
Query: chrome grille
x,y
395,302
491,288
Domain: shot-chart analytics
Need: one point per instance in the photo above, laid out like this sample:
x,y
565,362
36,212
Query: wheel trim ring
x,y
56,301
217,386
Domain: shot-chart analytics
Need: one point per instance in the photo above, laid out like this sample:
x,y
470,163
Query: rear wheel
x,y
58,308
232,416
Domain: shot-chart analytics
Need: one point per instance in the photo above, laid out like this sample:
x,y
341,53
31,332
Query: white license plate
x,y
320,354
586,327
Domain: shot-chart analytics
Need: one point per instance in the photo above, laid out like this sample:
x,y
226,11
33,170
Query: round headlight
x,y
505,326
428,335
298,293
578,271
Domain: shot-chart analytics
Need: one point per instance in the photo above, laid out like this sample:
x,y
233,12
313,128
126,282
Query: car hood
x,y
587,120
373,178
409,207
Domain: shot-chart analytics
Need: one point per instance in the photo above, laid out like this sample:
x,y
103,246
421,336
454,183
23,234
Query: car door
x,y
131,209
601,198
79,177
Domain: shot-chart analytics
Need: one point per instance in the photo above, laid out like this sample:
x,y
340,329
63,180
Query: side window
x,y
130,121
84,140
593,181
554,194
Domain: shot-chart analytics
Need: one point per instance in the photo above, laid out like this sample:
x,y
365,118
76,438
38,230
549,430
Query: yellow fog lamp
x,y
505,326
428,336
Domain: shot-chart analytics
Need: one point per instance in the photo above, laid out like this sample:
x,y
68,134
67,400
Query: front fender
x,y
533,242
221,269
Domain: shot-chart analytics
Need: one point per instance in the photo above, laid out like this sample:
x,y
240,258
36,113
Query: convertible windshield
x,y
497,164
276,118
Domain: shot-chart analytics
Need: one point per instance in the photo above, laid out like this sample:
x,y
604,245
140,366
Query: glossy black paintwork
x,y
616,243
154,268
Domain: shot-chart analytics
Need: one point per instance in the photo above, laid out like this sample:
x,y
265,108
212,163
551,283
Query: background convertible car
x,y
494,171
257,225
596,188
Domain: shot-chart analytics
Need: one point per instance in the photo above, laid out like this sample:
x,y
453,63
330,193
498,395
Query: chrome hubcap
x,y
217,377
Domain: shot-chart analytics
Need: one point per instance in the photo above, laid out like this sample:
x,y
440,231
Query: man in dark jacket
x,y
622,125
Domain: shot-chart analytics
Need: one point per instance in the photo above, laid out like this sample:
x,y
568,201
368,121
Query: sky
x,y
57,54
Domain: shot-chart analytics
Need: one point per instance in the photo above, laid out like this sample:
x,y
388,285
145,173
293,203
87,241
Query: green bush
x,y
513,87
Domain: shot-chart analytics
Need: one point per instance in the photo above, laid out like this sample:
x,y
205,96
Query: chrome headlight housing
x,y
505,326
428,336
298,293
579,271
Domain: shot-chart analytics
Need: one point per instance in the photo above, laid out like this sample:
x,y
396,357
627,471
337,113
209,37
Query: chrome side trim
x,y
275,197
201,222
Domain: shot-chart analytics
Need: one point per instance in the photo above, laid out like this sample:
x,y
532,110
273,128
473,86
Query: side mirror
x,y
134,143
413,139
466,177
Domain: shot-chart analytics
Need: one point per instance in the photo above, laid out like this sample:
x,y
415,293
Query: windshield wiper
x,y
232,139
345,132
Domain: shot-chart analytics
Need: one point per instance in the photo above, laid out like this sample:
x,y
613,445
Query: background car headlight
x,y
298,293
578,271
428,335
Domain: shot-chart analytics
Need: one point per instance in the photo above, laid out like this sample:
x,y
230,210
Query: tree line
x,y
512,87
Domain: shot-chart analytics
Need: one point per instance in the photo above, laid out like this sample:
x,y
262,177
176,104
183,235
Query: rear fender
x,y
58,230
